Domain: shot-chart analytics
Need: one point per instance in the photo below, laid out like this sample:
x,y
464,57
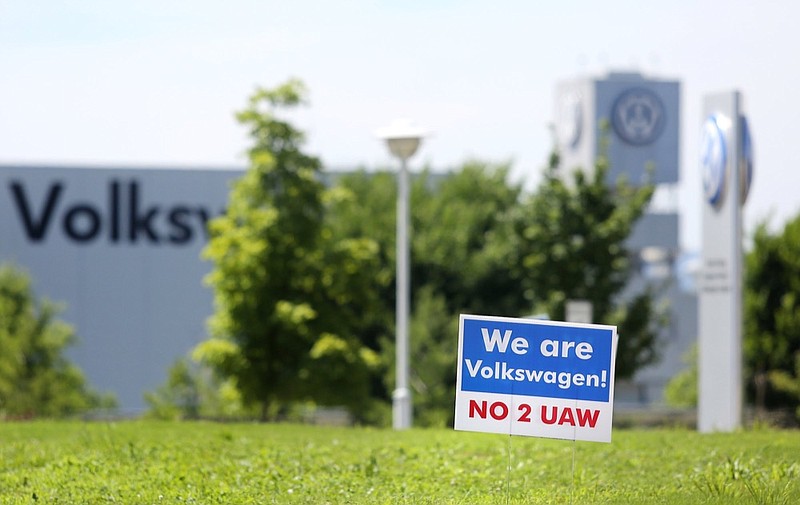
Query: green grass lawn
x,y
158,462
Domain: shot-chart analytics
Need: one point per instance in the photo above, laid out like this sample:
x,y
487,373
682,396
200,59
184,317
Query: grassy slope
x,y
152,462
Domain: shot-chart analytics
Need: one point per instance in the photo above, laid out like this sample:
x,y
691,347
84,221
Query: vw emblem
x,y
570,119
745,161
638,116
713,157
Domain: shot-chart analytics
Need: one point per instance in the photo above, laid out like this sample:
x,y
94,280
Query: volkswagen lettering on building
x,y
117,216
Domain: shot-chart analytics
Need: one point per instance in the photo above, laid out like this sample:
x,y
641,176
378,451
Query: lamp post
x,y
403,139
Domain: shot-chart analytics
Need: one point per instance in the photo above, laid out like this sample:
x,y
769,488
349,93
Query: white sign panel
x,y
535,378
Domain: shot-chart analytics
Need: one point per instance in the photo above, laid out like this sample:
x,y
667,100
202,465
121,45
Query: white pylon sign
x,y
726,165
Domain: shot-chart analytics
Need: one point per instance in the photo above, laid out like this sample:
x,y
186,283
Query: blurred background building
x,y
121,246
636,122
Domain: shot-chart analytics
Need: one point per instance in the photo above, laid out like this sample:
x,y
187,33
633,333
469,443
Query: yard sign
x,y
535,378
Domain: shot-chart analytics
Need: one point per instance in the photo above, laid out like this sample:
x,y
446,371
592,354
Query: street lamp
x,y
403,139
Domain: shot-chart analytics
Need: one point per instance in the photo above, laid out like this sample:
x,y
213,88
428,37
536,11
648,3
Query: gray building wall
x,y
120,247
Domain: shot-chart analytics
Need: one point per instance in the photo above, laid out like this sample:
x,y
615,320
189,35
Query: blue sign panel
x,y
537,358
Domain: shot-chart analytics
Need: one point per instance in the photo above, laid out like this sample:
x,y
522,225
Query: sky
x,y
158,82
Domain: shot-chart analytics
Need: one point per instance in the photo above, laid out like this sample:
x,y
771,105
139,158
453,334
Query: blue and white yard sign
x,y
535,378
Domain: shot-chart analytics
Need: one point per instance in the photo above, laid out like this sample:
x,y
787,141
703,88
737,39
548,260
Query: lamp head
x,y
402,137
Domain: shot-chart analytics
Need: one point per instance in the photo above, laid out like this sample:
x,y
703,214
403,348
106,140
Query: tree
x,y
179,397
364,206
36,380
289,296
788,383
458,247
456,267
772,315
682,390
192,392
471,238
570,242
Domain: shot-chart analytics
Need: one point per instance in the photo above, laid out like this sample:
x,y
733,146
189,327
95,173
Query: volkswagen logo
x,y
638,116
745,161
570,119
713,157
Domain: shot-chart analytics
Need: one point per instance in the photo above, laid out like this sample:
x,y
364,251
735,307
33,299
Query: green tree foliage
x,y
289,296
682,390
179,397
459,266
456,266
788,382
434,329
480,246
569,238
458,247
363,205
772,315
36,380
191,391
